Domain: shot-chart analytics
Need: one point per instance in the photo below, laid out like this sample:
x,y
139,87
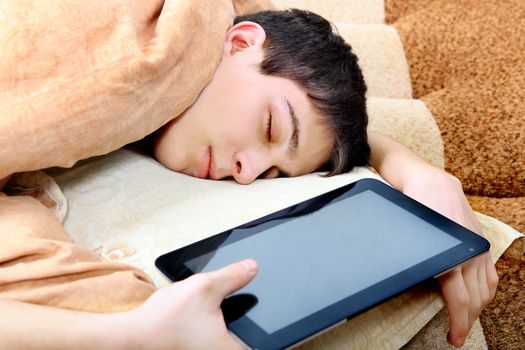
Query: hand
x,y
187,314
471,286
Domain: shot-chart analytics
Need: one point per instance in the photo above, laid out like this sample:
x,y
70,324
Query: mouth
x,y
205,165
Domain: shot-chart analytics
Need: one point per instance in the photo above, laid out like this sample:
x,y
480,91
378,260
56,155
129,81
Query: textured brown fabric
x,y
509,210
466,63
483,130
395,9
503,320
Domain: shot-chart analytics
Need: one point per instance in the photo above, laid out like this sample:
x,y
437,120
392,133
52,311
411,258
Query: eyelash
x,y
269,128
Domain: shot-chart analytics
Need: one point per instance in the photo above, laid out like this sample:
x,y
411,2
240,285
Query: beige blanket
x,y
83,78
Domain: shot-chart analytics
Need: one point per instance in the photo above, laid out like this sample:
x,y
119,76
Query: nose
x,y
248,166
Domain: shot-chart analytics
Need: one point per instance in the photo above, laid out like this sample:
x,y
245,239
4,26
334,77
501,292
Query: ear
x,y
243,36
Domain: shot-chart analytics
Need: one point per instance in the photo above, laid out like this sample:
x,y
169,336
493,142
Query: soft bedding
x,y
131,216
466,64
124,208
79,79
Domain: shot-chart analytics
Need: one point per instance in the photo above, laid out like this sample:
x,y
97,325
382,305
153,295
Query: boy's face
x,y
244,124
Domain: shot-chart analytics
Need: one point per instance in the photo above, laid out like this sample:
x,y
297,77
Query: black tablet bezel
x,y
172,265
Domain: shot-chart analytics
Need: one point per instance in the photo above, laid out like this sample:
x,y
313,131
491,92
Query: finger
x,y
233,344
470,276
482,280
457,299
492,276
232,277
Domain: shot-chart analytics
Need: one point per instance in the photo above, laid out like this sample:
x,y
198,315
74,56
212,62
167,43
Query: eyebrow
x,y
293,143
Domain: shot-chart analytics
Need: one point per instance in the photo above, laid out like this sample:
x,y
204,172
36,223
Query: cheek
x,y
239,126
237,118
235,131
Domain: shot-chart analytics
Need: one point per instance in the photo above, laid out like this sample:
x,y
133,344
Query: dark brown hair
x,y
303,47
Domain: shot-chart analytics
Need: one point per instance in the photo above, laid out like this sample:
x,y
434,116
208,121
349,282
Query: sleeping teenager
x,y
287,98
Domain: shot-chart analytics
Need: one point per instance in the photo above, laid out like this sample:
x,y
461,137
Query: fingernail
x,y
250,265
457,342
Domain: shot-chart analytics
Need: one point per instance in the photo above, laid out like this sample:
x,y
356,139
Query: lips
x,y
204,169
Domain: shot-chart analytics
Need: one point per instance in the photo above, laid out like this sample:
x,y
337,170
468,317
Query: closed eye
x,y
269,128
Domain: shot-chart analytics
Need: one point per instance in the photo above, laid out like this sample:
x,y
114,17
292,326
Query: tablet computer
x,y
327,259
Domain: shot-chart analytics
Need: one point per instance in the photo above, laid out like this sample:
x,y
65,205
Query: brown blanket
x,y
83,78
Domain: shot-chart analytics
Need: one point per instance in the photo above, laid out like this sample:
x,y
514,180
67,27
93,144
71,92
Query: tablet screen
x,y
362,236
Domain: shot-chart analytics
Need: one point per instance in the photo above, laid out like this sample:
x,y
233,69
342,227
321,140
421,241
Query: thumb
x,y
233,277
